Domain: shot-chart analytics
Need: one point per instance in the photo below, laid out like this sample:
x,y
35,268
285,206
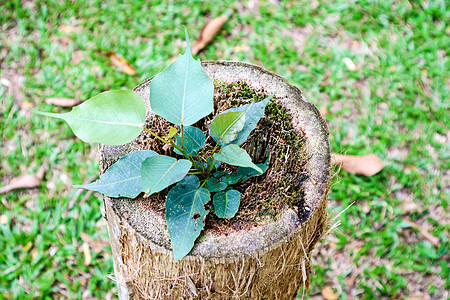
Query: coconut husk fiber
x,y
264,253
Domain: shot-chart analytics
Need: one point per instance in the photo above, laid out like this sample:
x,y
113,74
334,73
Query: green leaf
x,y
112,118
249,172
254,113
123,178
219,174
227,125
226,204
233,155
172,132
194,140
183,93
232,178
214,185
158,172
185,213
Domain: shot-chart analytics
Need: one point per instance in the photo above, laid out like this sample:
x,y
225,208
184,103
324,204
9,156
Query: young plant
x,y
182,94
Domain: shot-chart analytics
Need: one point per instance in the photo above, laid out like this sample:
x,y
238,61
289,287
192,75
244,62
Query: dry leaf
x,y
70,28
87,254
208,32
28,246
419,297
434,240
367,165
96,245
65,102
328,293
25,182
350,64
3,219
122,63
323,111
34,253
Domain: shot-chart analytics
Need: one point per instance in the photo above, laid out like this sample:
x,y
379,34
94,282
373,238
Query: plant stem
x,y
167,142
209,166
182,136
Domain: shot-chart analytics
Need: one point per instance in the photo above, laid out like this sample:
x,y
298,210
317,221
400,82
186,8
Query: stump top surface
x,y
305,118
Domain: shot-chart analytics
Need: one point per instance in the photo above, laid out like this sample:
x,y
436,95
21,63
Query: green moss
x,y
237,91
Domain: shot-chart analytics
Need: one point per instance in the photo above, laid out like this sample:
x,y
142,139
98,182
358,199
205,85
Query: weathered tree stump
x,y
268,260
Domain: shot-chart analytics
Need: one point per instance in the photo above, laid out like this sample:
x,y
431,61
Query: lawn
x,y
380,68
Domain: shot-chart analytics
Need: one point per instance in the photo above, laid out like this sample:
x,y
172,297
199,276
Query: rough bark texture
x,y
270,261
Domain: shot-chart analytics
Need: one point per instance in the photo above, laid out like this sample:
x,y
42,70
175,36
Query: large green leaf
x,y
194,140
111,118
226,204
123,178
158,172
226,126
182,93
253,113
233,155
185,213
249,172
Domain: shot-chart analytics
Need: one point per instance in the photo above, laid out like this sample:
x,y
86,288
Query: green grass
x,y
394,105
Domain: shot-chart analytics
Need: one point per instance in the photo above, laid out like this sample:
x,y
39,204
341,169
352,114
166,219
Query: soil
x,y
274,140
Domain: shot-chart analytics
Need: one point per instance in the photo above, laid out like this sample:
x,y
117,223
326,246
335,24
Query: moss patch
x,y
274,139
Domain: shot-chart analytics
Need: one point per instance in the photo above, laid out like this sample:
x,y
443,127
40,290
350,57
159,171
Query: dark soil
x,y
274,139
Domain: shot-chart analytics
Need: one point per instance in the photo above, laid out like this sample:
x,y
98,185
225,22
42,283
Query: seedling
x,y
182,94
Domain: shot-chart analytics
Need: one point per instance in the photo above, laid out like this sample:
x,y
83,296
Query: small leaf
x,y
367,165
214,185
208,32
183,93
112,118
158,172
194,140
123,178
87,254
328,294
227,125
172,132
226,204
185,213
64,102
253,113
233,155
120,62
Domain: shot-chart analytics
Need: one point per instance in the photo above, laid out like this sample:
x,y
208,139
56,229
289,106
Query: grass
x,y
394,103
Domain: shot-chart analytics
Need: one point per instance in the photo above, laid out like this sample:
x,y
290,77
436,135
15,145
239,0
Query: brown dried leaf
x,y
3,219
323,111
96,245
208,32
64,102
350,64
25,182
87,254
328,293
367,165
419,297
434,240
121,63
70,28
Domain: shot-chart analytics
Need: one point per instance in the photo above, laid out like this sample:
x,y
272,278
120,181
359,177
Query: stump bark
x,y
269,261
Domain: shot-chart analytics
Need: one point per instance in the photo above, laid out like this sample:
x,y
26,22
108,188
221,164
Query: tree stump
x,y
267,260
